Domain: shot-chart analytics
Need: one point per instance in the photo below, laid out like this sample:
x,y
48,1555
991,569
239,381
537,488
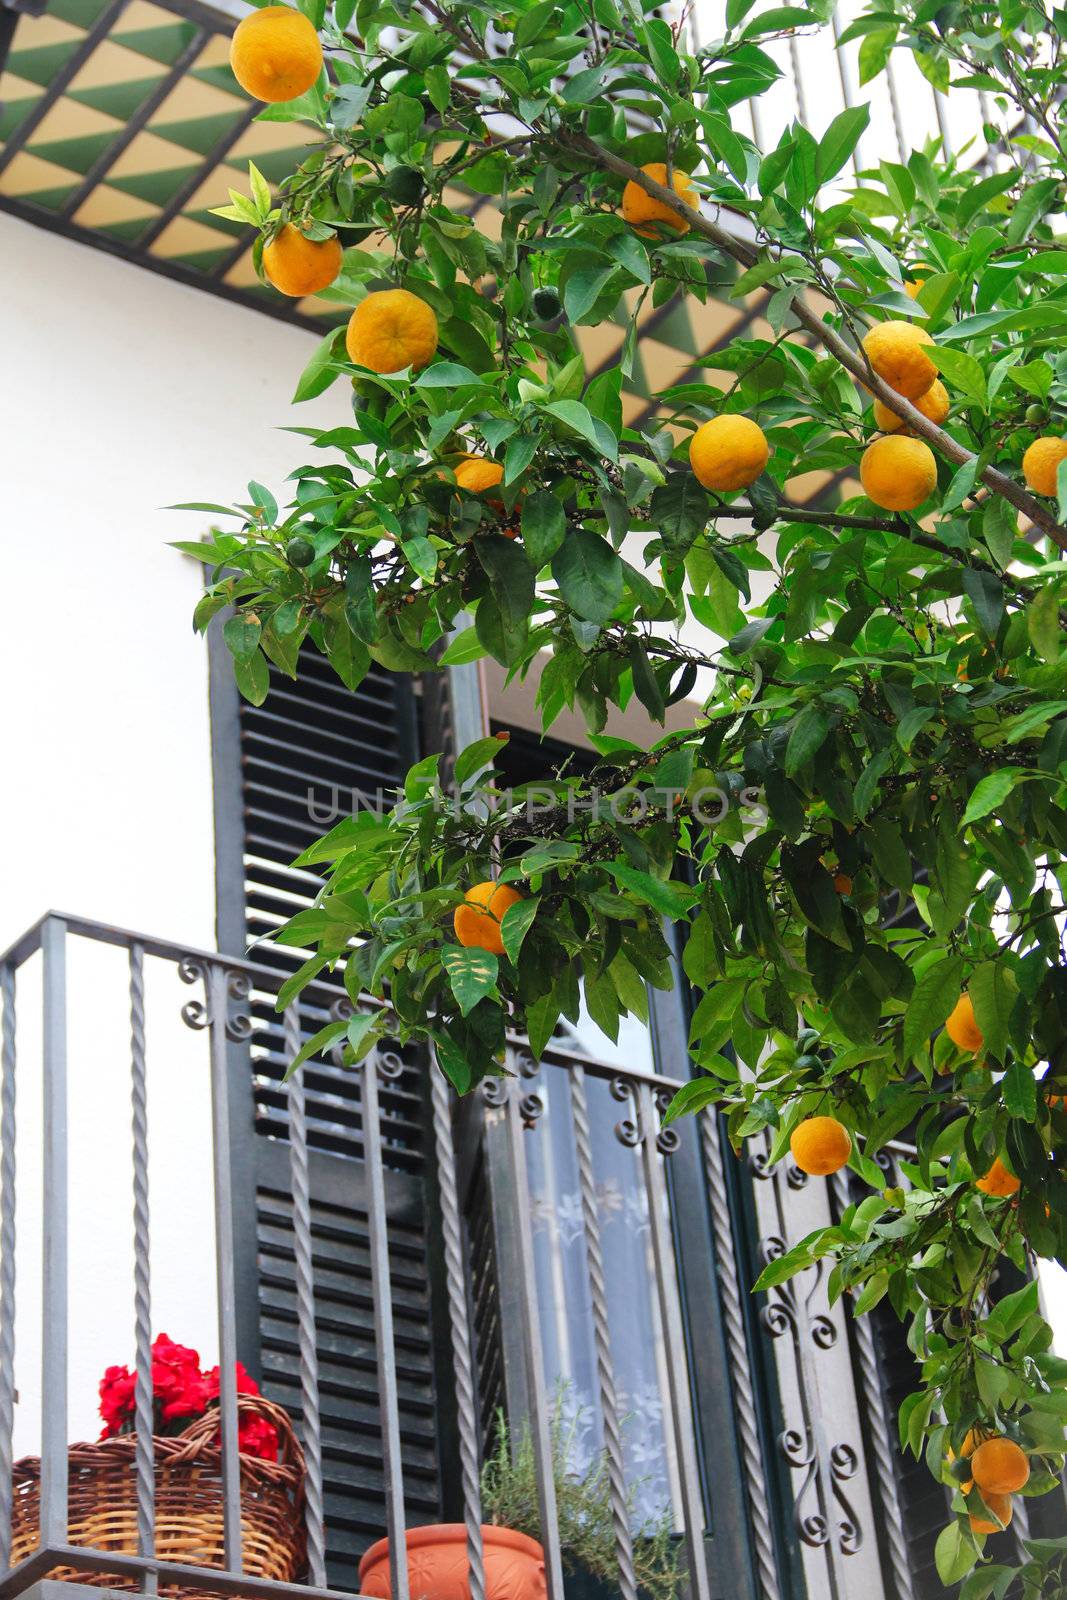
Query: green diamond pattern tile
x,y
118,100
220,78
50,199
42,65
201,260
160,44
200,135
11,115
79,13
128,232
156,187
274,166
677,331
77,155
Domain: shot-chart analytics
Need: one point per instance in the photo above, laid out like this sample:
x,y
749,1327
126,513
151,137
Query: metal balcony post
x,y
305,1301
54,1285
7,1253
383,1332
218,990
144,1394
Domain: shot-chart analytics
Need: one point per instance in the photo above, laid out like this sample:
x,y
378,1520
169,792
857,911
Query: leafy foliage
x,y
868,815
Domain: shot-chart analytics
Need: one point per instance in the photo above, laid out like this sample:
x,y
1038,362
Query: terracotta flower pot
x,y
437,1565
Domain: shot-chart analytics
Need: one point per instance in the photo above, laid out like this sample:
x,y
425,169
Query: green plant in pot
x,y
583,1504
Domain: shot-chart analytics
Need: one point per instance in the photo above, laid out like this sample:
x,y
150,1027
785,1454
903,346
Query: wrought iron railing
x,y
677,1193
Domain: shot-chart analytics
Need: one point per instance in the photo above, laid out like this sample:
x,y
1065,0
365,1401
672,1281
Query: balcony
x,y
572,1233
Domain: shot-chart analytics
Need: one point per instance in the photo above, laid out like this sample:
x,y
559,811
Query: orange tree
x,y
875,937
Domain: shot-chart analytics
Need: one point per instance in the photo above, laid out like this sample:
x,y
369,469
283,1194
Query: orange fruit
x,y
476,474
728,453
898,473
1000,1183
1041,464
1001,1507
934,404
390,330
895,351
912,287
962,1028
820,1145
297,266
842,883
640,208
275,54
477,921
1000,1466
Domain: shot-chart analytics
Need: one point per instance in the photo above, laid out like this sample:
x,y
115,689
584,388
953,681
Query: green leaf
x,y
692,1097
578,419
646,686
963,480
438,87
875,51
589,574
518,455
322,368
511,576
955,1553
934,995
1009,1314
453,1063
242,634
990,792
475,758
680,509
447,375
986,593
534,22
583,290
543,526
360,613
1019,1088
515,925
994,991
669,898
252,676
962,371
541,1019
318,1044
839,141
465,647
471,974
1035,378
807,737
362,1031
1043,623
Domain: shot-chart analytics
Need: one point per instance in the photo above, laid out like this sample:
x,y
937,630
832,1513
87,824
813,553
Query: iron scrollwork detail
x,y
820,1497
237,1022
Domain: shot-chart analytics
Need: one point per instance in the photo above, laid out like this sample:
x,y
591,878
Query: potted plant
x,y
188,1476
514,1558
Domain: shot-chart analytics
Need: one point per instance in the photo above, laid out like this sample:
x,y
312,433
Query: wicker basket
x,y
189,1503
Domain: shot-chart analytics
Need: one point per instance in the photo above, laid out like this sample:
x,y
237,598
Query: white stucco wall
x,y
123,392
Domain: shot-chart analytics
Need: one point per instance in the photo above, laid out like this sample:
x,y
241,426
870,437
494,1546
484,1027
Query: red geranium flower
x,y
178,1383
258,1437
246,1384
116,1400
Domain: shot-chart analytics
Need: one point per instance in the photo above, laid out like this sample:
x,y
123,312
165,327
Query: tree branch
x,y
853,361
